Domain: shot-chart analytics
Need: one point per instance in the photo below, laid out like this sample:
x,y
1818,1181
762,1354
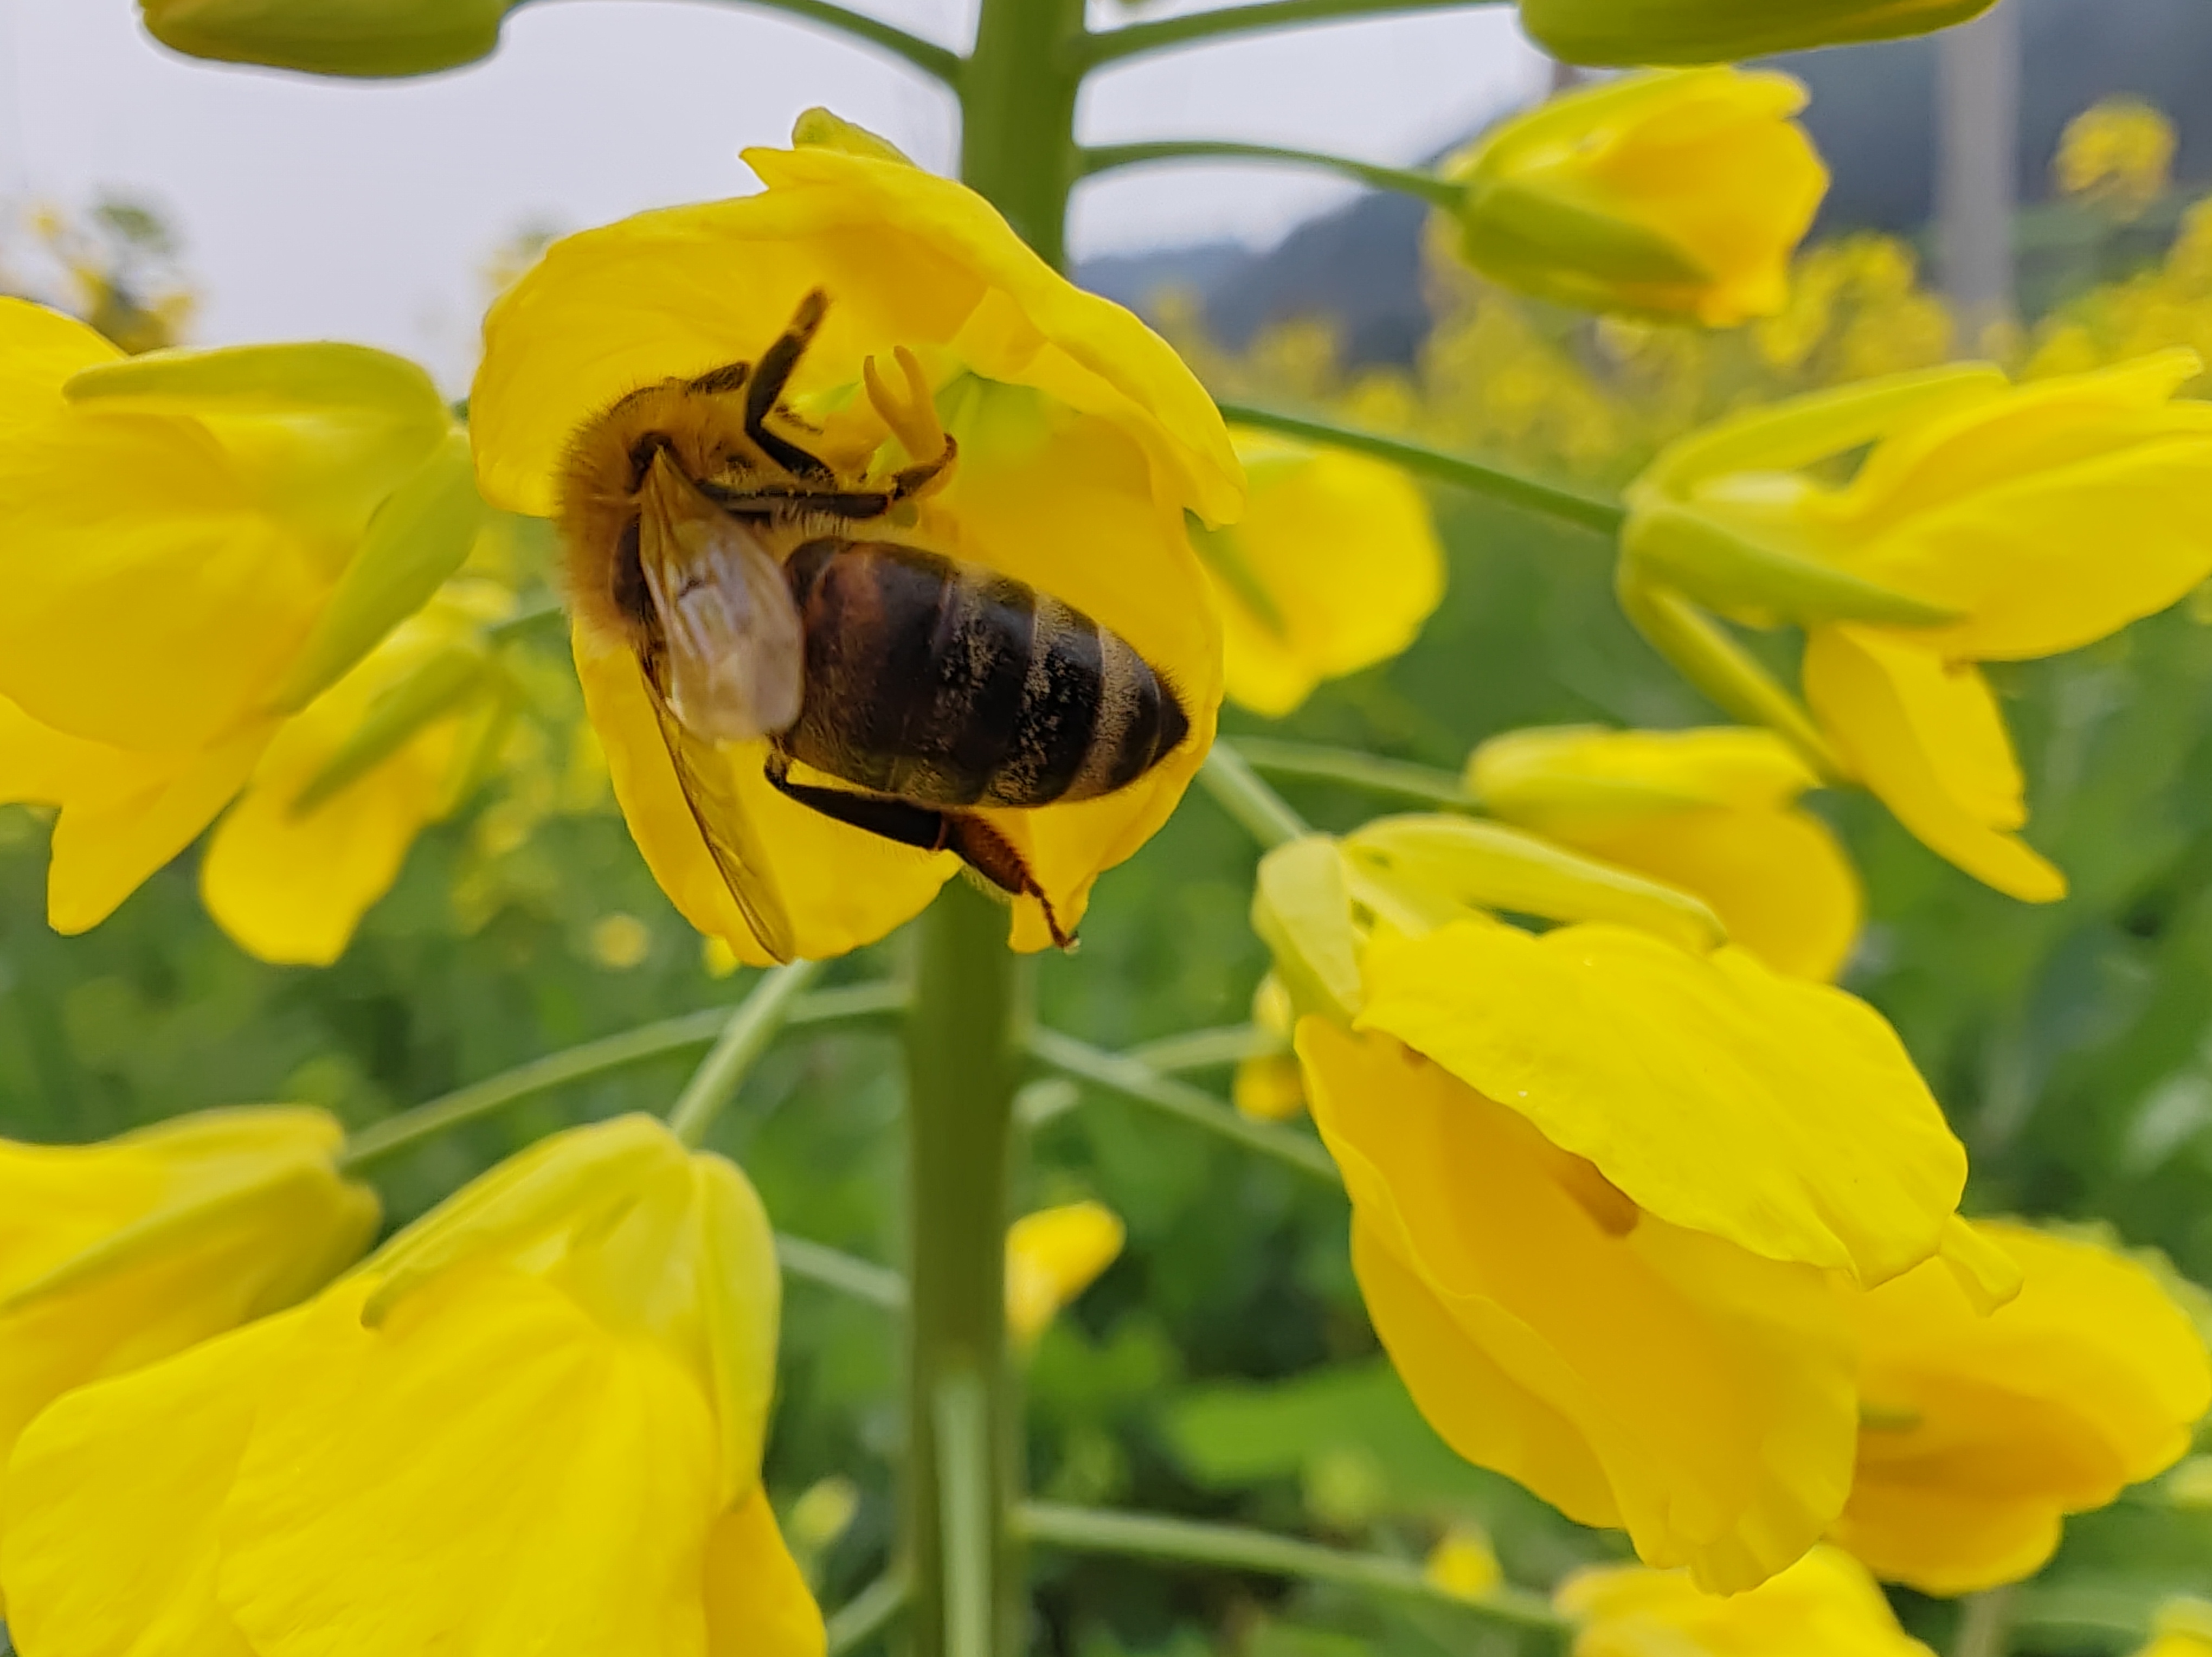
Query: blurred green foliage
x,y
1224,1367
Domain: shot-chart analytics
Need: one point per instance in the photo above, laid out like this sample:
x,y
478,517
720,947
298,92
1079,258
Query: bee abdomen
x,y
949,685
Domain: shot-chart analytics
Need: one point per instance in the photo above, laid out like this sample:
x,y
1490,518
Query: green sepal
x,y
1522,233
1302,909
372,39
1681,547
1488,866
418,537
443,681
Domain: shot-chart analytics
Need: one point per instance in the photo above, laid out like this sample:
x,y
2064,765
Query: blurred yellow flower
x,y
1981,1431
1677,193
1600,1179
199,543
1713,811
1334,567
115,1255
2183,1629
1824,1605
342,790
371,37
2117,155
1083,441
1463,1562
1987,522
1052,1256
1629,32
620,941
531,1421
1269,1086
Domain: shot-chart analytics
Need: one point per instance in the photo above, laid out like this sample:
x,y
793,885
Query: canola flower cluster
x,y
1648,1214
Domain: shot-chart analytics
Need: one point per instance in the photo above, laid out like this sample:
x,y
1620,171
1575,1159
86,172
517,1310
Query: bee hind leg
x,y
977,843
773,374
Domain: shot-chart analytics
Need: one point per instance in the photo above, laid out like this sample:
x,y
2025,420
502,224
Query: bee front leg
x,y
977,843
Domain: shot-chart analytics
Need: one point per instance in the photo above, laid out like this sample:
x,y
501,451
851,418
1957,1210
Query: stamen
x,y
912,419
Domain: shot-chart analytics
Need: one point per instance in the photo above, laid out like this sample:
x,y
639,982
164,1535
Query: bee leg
x,y
768,379
979,845
728,377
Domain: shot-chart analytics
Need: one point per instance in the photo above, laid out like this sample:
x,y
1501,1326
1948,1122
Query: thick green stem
x,y
1194,27
1500,483
964,1058
1018,115
1440,192
1146,1536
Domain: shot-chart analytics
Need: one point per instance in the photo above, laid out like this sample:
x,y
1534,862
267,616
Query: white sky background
x,y
314,208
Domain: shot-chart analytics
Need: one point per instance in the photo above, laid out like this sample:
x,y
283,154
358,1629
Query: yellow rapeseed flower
x,y
1334,567
1980,1432
1987,522
345,787
1268,1086
1464,1563
1824,1605
2117,155
330,37
531,1421
1713,811
198,544
1602,1178
1679,193
115,1255
1052,1256
1083,441
1628,32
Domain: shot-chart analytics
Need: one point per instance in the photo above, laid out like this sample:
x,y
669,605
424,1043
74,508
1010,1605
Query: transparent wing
x,y
734,652
703,773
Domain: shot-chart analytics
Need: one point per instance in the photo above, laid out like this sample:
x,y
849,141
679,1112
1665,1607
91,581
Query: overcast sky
x,y
366,211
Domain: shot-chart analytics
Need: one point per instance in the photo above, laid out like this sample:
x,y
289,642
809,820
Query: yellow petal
x,y
1779,880
1929,740
488,1471
1052,1256
741,1288
1575,779
111,1540
757,1604
906,258
39,349
1984,1430
1783,1116
1824,1605
1628,1371
1332,567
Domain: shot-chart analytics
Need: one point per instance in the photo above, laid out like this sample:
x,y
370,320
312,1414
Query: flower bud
x,y
1625,33
1052,1256
371,38
1677,193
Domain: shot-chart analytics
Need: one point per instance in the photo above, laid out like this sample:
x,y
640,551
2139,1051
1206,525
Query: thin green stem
x,y
1500,483
1237,789
1389,779
1126,1078
854,1005
1208,1049
1146,1536
1984,1623
1112,46
965,1512
939,61
866,1614
1426,187
863,1280
963,1064
743,1040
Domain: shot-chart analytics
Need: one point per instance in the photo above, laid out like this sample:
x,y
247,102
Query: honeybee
x,y
765,595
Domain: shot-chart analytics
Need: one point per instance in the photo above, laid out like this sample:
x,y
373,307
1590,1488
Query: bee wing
x,y
703,773
733,647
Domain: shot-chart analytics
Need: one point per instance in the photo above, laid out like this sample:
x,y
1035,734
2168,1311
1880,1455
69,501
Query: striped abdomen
x,y
949,684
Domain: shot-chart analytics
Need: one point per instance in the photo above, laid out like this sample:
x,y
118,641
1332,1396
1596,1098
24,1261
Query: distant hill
x,y
1873,115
